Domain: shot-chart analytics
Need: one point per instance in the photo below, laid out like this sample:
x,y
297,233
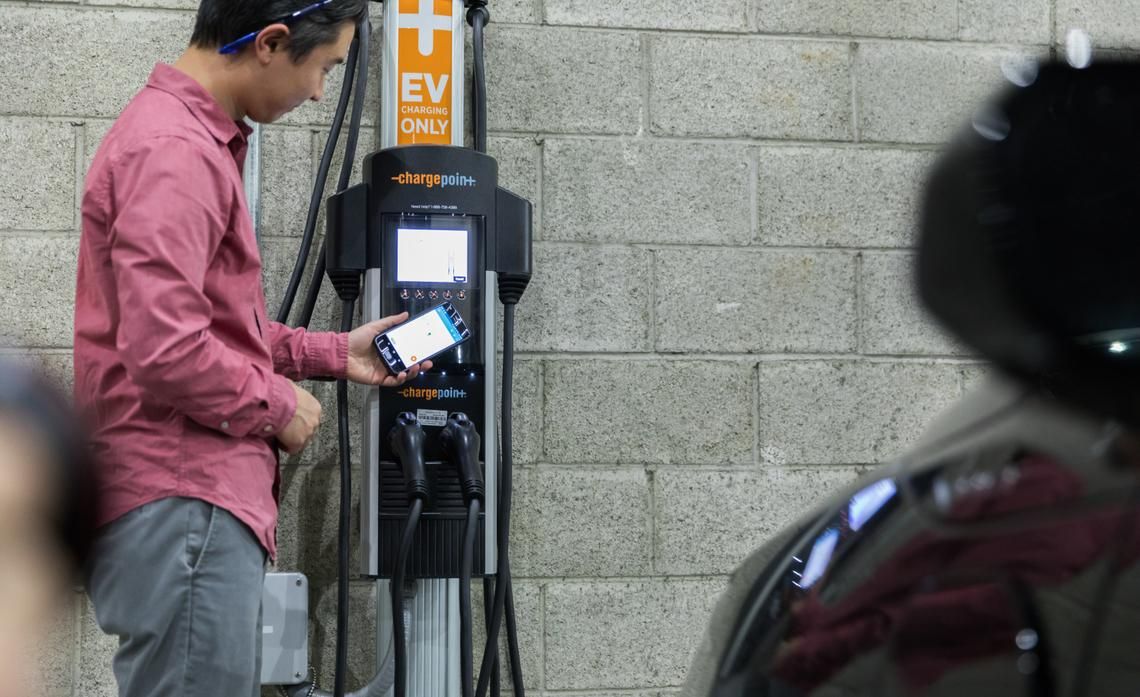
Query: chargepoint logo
x,y
433,180
432,393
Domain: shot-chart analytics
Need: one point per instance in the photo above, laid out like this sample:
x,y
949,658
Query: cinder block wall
x,y
720,329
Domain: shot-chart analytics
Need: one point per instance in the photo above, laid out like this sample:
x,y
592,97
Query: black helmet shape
x,y
1030,240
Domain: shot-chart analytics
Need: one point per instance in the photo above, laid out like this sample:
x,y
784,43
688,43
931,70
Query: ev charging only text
x,y
418,119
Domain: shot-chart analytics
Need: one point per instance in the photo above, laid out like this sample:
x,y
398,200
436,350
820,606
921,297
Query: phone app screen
x,y
424,337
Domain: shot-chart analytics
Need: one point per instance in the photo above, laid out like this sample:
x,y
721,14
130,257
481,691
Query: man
x,y
186,382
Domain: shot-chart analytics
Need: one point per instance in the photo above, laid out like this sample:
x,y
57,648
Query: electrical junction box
x,y
285,629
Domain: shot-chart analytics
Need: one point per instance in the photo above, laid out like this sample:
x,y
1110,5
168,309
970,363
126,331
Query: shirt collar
x,y
201,104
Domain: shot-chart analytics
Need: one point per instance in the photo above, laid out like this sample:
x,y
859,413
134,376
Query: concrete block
x,y
361,633
529,620
923,93
37,165
563,80
893,319
580,522
367,142
37,281
1110,23
287,173
96,651
278,255
718,15
308,521
680,192
624,635
843,197
654,412
586,298
518,166
923,19
1009,21
708,522
57,650
974,375
527,409
751,87
755,301
59,369
847,412
112,52
94,130
516,12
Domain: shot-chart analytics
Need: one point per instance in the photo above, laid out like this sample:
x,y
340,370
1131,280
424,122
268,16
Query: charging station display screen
x,y
425,336
431,256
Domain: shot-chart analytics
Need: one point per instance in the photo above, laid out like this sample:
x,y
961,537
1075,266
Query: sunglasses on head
x,y
233,46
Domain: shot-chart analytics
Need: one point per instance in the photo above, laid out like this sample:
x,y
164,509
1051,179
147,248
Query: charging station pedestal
x,y
439,230
436,222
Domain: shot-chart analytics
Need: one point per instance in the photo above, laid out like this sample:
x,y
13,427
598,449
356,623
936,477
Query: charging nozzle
x,y
407,440
514,255
461,446
346,242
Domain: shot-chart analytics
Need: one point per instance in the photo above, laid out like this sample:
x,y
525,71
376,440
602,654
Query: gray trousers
x,y
179,581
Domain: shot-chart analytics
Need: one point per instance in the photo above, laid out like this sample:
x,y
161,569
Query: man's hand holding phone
x,y
365,366
424,336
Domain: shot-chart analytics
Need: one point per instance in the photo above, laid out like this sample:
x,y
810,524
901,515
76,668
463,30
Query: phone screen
x,y
424,336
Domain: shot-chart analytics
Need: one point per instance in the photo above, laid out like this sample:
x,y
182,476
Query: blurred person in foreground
x,y
46,519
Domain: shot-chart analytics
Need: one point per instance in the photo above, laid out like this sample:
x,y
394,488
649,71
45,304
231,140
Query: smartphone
x,y
421,338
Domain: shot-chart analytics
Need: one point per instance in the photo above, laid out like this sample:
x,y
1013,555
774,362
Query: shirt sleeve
x,y
299,354
171,211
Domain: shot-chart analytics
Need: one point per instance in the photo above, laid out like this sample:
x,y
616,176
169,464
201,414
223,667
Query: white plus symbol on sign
x,y
426,22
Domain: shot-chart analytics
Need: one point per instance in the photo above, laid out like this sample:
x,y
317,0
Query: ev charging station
x,y
429,224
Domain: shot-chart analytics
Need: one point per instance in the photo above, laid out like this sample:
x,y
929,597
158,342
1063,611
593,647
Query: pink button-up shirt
x,y
183,377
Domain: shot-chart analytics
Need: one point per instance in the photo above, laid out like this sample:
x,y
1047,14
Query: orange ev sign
x,y
424,108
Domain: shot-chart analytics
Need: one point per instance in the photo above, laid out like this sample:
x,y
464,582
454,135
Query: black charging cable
x,y
318,192
511,288
407,442
399,631
312,293
461,444
503,591
466,642
343,528
478,16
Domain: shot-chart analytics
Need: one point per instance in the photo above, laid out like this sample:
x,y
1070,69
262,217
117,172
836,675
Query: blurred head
x,y
46,511
282,60
1032,215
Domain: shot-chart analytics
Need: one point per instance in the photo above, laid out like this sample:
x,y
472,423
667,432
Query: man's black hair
x,y
221,21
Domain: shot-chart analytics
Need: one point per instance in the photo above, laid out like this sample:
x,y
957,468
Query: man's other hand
x,y
303,426
364,364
